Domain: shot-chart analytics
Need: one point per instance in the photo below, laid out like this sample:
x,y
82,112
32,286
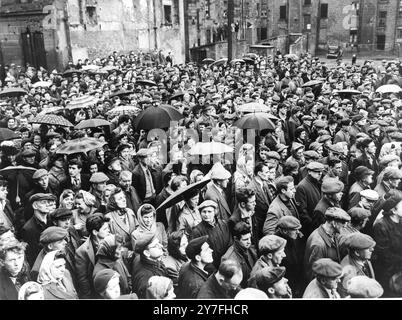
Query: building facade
x,y
49,33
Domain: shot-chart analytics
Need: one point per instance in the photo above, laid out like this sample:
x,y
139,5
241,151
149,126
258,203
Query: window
x,y
382,21
282,12
176,12
258,10
324,10
307,2
167,13
91,16
399,35
306,20
400,7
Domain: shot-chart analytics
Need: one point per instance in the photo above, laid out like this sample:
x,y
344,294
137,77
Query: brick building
x,y
49,33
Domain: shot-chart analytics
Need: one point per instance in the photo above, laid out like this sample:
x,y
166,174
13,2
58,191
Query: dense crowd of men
x,y
308,208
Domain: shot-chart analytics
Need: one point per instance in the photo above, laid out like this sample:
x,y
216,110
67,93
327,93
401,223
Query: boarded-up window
x,y
307,20
167,13
307,2
382,21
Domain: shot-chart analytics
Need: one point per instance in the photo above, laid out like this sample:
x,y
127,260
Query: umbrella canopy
x,y
292,56
43,84
206,148
237,61
219,62
81,102
251,55
146,83
178,95
121,93
257,121
180,194
157,117
312,83
253,107
13,92
349,91
70,72
389,88
90,67
109,68
9,169
124,110
7,134
248,60
92,123
50,110
207,61
79,145
52,119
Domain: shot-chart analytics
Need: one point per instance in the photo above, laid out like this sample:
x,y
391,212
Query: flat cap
x,y
311,154
369,194
362,171
315,166
396,136
273,155
280,147
357,117
346,122
310,95
53,234
319,124
386,101
142,242
391,199
39,174
289,222
28,153
102,279
364,287
61,213
332,185
336,148
323,138
359,213
267,276
392,173
296,146
345,101
251,294
315,146
99,177
307,118
207,203
359,241
326,267
194,246
385,160
143,152
337,214
219,172
111,159
121,147
42,196
271,243
373,127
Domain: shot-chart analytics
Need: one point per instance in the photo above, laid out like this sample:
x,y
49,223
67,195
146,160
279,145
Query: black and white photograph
x,y
227,150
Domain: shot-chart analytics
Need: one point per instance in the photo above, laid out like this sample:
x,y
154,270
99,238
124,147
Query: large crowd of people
x,y
304,203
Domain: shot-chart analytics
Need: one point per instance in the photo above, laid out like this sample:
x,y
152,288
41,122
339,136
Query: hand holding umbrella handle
x,y
17,198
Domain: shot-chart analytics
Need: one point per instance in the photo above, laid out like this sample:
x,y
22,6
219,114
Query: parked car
x,y
334,52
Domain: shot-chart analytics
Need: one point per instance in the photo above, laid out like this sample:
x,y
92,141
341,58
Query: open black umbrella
x,y
7,134
257,121
70,72
219,62
312,83
348,93
13,92
11,172
157,117
180,194
207,61
146,82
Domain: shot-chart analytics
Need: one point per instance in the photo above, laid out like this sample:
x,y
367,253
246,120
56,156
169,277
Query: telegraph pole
x,y
230,22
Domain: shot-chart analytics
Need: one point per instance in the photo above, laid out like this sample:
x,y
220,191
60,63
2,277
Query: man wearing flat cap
x,y
216,191
391,179
147,264
272,251
282,205
332,192
33,228
288,228
98,182
220,237
364,179
52,238
368,157
324,241
357,261
308,194
343,134
272,281
193,275
327,275
41,184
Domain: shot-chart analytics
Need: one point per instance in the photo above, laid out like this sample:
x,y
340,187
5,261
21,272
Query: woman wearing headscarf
x,y
55,278
244,172
177,244
148,226
160,288
109,256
